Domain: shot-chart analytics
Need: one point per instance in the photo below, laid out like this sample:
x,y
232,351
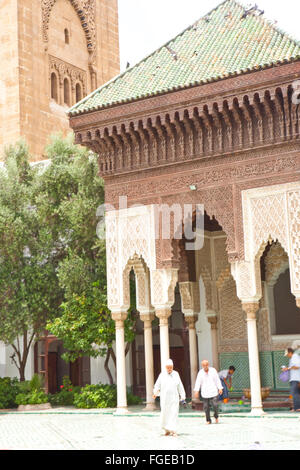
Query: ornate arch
x,y
85,10
142,277
129,238
218,204
276,263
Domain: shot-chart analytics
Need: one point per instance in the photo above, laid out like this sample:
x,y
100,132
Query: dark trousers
x,y
225,393
295,394
206,406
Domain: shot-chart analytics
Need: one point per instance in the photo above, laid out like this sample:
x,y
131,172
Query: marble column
x,y
163,314
148,318
119,318
191,320
298,302
250,308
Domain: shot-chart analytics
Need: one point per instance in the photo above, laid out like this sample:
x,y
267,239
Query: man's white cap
x,y
169,362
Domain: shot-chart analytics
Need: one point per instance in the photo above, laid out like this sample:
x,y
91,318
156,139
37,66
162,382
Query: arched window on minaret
x,y
67,92
78,92
67,36
54,87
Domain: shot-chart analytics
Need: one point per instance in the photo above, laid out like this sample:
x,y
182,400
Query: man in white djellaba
x,y
171,391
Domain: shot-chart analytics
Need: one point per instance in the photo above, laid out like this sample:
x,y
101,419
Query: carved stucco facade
x,y
172,150
131,239
270,214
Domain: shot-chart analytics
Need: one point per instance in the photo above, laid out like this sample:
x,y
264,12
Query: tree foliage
x,y
84,323
52,264
29,289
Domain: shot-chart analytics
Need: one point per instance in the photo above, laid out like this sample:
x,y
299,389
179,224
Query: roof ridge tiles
x,y
178,70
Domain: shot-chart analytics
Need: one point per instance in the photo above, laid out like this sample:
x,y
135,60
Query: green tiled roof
x,y
219,45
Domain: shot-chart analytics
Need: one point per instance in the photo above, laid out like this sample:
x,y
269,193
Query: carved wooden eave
x,y
220,118
222,137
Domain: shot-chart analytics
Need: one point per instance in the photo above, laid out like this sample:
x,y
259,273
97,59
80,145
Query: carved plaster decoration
x,y
86,10
163,282
293,201
248,285
223,277
269,214
264,325
231,316
142,277
276,263
207,281
63,70
130,234
190,298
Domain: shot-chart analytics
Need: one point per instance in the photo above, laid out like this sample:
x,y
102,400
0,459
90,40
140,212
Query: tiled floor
x,y
66,429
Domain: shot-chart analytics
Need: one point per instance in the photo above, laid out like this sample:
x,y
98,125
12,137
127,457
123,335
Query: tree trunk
x,y
106,367
22,372
22,357
113,356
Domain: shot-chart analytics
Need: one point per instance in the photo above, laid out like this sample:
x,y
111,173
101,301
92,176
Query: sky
x,y
145,25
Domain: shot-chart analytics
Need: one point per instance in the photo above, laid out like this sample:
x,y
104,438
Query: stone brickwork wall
x,y
32,37
9,83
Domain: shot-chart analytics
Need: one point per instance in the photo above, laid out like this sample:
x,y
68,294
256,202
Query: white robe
x,y
171,391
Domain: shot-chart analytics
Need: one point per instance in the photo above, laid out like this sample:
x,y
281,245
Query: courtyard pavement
x,y
71,429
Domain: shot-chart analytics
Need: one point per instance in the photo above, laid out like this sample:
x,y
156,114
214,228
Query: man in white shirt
x,y
210,385
226,381
294,368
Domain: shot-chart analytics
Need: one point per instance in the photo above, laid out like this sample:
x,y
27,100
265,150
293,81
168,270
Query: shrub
x,y
133,399
101,396
9,388
96,396
36,397
31,392
66,395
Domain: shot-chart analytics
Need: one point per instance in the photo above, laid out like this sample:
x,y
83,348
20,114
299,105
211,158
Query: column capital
x,y
147,317
119,318
163,314
213,320
250,308
191,320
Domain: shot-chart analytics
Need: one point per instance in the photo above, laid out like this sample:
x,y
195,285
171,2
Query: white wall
x,y
98,373
2,359
8,368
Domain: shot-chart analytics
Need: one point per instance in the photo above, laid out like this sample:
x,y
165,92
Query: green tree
x,y
87,328
29,288
70,193
52,264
